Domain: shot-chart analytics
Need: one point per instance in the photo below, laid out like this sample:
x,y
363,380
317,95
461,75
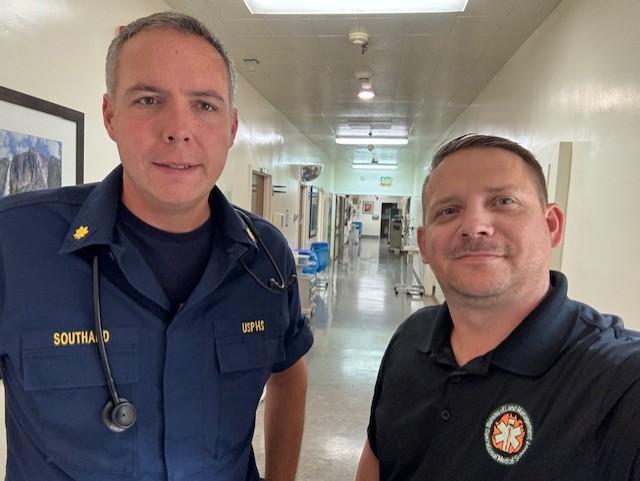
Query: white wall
x,y
367,182
577,79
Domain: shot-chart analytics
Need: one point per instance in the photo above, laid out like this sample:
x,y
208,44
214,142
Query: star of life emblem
x,y
508,433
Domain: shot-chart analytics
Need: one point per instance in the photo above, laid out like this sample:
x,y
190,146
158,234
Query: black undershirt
x,y
177,259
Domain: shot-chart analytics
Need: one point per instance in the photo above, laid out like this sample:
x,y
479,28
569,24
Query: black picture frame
x,y
43,113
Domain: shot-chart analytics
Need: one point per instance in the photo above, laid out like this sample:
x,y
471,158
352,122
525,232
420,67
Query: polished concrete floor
x,y
354,320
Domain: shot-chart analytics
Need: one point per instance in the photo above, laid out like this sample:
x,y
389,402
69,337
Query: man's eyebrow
x,y
450,199
207,93
143,88
504,188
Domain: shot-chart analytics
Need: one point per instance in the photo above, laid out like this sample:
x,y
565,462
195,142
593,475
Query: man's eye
x,y
447,211
206,107
147,101
506,201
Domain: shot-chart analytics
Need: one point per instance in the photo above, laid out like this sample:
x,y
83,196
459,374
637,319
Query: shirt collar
x,y
533,346
95,221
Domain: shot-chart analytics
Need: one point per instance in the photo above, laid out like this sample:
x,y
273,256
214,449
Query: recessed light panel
x,y
372,140
344,7
374,166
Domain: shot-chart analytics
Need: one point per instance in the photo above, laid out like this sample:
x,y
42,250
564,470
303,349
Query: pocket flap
x,y
50,366
237,353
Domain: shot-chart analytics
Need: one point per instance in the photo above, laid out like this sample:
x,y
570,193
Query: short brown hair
x,y
468,141
174,20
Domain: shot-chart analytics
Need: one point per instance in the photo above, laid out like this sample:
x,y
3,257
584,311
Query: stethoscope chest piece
x,y
119,417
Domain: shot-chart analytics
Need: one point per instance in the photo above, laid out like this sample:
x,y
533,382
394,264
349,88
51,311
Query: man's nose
x,y
476,222
176,124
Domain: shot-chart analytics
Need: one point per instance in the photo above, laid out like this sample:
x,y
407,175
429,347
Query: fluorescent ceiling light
x,y
372,140
366,94
374,166
323,7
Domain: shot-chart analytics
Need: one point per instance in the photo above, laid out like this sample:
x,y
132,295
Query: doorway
x,y
261,194
385,217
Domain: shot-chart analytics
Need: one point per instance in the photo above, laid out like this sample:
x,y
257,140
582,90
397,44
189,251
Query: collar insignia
x,y
81,232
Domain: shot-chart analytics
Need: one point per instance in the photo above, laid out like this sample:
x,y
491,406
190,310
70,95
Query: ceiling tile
x,y
491,7
230,9
248,27
286,28
389,25
434,24
339,26
539,8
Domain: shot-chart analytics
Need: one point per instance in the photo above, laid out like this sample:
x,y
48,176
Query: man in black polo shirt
x,y
509,379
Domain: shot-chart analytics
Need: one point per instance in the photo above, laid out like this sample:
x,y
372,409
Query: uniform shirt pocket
x,y
64,379
245,363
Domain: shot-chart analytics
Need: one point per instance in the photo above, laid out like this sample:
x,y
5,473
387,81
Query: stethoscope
x,y
119,414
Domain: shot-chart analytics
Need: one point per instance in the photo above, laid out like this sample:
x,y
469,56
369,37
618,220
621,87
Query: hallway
x,y
354,320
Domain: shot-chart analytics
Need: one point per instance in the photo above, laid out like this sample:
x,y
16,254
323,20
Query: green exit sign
x,y
385,181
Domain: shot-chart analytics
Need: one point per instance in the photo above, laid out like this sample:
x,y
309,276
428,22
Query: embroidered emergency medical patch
x,y
508,433
81,232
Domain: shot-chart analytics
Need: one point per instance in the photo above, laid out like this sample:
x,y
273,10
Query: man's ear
x,y
555,223
422,244
107,115
234,125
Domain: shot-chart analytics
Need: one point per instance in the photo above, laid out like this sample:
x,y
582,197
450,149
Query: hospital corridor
x,y
203,198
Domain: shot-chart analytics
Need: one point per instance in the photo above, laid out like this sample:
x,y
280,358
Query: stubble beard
x,y
488,295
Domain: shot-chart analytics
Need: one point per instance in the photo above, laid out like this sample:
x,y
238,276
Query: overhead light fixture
x,y
374,166
296,7
366,91
366,94
370,140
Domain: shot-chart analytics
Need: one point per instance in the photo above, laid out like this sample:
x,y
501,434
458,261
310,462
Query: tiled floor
x,y
354,320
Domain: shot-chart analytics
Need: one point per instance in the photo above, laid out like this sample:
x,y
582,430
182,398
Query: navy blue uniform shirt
x,y
558,400
195,378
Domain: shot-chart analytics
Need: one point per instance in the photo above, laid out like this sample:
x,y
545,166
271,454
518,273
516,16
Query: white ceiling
x,y
427,68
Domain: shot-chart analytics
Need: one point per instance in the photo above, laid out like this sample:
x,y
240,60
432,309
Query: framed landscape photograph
x,y
41,144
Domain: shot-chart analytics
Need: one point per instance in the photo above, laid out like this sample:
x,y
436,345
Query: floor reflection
x,y
354,319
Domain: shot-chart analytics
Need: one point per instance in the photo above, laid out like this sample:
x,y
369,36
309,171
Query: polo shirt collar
x,y
95,221
533,346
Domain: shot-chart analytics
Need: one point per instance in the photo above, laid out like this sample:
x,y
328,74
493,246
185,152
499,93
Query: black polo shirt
x,y
558,400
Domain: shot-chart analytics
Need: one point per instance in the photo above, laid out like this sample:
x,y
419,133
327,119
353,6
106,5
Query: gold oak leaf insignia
x,y
81,232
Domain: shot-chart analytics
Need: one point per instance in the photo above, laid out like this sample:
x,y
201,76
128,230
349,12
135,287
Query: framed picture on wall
x,y
367,207
41,144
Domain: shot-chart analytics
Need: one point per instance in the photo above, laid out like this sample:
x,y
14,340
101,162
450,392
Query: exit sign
x,y
385,181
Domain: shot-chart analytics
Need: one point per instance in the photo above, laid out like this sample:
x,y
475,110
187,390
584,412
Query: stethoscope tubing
x,y
275,286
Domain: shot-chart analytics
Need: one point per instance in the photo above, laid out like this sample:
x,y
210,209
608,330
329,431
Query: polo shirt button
x,y
455,378
445,414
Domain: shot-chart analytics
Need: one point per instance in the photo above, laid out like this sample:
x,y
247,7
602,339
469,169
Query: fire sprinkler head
x,y
359,38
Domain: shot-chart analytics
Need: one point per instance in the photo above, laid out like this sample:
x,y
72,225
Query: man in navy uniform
x,y
197,302
509,379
